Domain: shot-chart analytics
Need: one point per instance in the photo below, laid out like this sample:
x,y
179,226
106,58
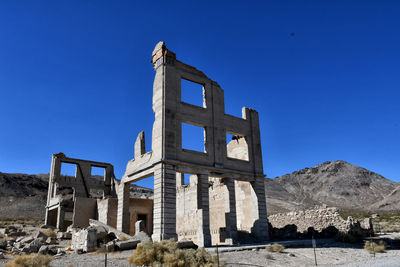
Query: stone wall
x,y
319,218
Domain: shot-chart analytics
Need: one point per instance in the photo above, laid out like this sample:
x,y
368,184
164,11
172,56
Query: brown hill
x,y
339,184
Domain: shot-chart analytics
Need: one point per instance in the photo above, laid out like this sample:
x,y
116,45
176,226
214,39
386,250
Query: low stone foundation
x,y
320,219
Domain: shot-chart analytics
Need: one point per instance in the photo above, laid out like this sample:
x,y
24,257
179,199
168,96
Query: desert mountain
x,y
337,183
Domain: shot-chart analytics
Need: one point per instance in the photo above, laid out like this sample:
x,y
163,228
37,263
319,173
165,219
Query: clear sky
x,y
76,77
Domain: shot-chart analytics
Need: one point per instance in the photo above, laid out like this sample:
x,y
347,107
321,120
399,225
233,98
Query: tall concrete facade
x,y
232,171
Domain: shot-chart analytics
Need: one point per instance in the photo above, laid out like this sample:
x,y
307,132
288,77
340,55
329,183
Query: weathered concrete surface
x,y
182,211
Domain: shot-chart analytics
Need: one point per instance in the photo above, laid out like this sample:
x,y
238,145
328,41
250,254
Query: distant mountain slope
x,y
337,183
25,195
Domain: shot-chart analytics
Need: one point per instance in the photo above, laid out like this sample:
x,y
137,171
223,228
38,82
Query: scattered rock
x,y
2,255
110,246
3,243
43,250
64,235
51,241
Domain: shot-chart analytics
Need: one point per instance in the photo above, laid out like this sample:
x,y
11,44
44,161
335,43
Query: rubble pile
x,y
15,239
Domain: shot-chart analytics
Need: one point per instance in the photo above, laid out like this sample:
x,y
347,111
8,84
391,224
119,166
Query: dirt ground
x,y
337,254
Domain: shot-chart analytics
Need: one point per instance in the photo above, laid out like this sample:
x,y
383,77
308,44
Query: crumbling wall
x,y
144,207
107,211
219,200
84,209
187,217
245,199
319,218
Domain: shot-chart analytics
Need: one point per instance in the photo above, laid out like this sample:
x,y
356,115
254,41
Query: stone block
x,y
3,243
128,244
43,250
185,244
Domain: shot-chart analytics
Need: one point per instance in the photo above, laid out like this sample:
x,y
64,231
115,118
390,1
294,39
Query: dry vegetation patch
x,y
165,253
31,260
275,248
49,233
374,247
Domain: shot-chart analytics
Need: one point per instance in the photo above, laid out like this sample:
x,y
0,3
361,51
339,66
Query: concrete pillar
x,y
230,215
60,218
164,214
123,217
203,205
260,226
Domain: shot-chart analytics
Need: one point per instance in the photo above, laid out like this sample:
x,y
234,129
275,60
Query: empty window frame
x,y
193,137
237,147
98,171
68,169
192,93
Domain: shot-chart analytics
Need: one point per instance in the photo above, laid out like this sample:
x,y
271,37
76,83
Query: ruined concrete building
x,y
225,195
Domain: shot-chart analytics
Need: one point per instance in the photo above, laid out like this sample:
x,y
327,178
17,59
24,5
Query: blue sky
x,y
75,77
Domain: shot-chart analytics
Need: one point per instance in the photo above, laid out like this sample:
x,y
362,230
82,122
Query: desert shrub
x,y
349,237
374,247
31,260
275,248
165,253
49,233
268,256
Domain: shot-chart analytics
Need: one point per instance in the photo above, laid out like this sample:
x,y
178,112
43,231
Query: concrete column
x,y
203,205
164,214
230,215
60,218
260,226
123,217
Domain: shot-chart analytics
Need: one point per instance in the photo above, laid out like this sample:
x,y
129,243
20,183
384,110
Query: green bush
x,y
31,260
165,253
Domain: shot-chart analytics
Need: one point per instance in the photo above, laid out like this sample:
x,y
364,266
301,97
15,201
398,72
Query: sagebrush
x,y
372,246
166,254
31,260
275,248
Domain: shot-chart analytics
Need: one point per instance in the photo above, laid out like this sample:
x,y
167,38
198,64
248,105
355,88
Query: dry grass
x,y
31,260
275,248
49,233
374,247
123,238
165,253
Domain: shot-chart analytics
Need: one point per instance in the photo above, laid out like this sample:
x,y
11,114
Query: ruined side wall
x,y
245,199
84,209
219,200
108,210
319,218
141,206
187,219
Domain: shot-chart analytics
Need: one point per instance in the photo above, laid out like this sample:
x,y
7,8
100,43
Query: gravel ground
x,y
335,255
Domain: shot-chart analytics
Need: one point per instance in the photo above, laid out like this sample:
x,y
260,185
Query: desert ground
x,y
328,253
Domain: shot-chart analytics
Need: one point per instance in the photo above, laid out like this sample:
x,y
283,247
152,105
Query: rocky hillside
x,y
337,183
